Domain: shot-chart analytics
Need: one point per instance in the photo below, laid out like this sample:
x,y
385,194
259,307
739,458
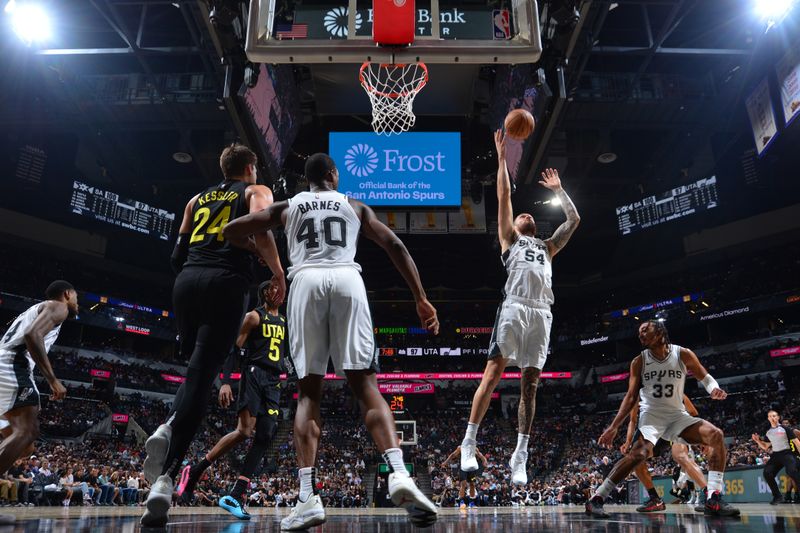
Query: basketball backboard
x,y
340,31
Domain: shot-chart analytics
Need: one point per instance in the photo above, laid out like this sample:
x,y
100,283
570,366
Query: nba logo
x,y
502,24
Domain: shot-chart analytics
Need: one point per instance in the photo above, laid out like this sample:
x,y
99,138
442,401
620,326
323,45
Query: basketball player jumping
x,y
262,341
681,453
658,376
210,298
522,329
330,319
780,439
467,486
24,346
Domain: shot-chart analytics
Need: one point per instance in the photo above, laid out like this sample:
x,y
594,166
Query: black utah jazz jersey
x,y
215,207
266,344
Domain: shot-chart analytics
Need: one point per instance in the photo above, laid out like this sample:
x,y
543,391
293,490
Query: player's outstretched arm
x,y
50,315
505,213
634,384
634,418
551,180
260,198
693,365
377,231
240,230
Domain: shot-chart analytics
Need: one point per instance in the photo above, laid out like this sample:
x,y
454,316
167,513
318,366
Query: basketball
x,y
519,124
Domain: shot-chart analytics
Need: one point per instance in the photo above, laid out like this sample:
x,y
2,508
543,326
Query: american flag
x,y
291,31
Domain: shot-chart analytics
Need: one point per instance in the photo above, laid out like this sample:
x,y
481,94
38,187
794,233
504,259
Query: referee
x,y
780,440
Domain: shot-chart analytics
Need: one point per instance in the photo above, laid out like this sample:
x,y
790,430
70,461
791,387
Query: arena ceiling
x,y
658,83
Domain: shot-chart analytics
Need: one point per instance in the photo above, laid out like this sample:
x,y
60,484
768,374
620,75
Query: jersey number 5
x,y
309,232
274,349
201,218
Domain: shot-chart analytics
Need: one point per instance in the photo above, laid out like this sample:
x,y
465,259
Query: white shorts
x,y
521,333
17,386
667,426
329,318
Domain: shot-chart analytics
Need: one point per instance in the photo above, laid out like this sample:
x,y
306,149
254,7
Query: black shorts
x,y
472,475
259,392
209,305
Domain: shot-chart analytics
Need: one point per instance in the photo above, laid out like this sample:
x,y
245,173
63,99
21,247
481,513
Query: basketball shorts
x,y
259,392
329,319
471,475
17,387
665,425
209,305
521,333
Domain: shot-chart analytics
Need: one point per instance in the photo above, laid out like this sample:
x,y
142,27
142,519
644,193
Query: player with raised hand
x,y
521,333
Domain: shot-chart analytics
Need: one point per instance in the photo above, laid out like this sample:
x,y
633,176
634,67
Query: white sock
x,y
394,457
472,432
605,489
522,443
306,476
714,482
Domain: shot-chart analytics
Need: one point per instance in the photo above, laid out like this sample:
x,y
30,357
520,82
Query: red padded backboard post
x,y
393,22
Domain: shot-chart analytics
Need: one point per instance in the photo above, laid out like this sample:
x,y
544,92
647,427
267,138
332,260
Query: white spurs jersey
x,y
530,270
662,382
322,230
13,342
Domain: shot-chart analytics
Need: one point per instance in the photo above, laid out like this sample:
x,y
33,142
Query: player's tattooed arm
x,y
505,212
551,180
50,315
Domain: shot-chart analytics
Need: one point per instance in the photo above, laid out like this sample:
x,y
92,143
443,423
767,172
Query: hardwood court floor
x,y
677,518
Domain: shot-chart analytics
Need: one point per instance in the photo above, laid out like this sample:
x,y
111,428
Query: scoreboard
x,y
111,208
673,204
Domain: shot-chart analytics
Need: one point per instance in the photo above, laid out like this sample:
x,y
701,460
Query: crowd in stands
x,y
565,462
131,375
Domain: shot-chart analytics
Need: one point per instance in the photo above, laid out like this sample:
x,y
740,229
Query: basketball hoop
x,y
391,89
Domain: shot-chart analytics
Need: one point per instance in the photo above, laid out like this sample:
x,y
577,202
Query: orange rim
x,y
372,89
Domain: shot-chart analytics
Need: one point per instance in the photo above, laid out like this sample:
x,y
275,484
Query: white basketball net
x,y
391,90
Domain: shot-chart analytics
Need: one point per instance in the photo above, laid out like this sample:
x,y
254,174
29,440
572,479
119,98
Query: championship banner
x,y
95,373
395,221
762,116
427,222
788,71
471,218
406,388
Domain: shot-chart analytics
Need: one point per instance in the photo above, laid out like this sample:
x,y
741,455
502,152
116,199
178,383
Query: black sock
x,y
187,415
201,467
653,493
239,487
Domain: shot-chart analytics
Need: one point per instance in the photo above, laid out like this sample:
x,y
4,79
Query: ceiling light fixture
x,y
29,21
